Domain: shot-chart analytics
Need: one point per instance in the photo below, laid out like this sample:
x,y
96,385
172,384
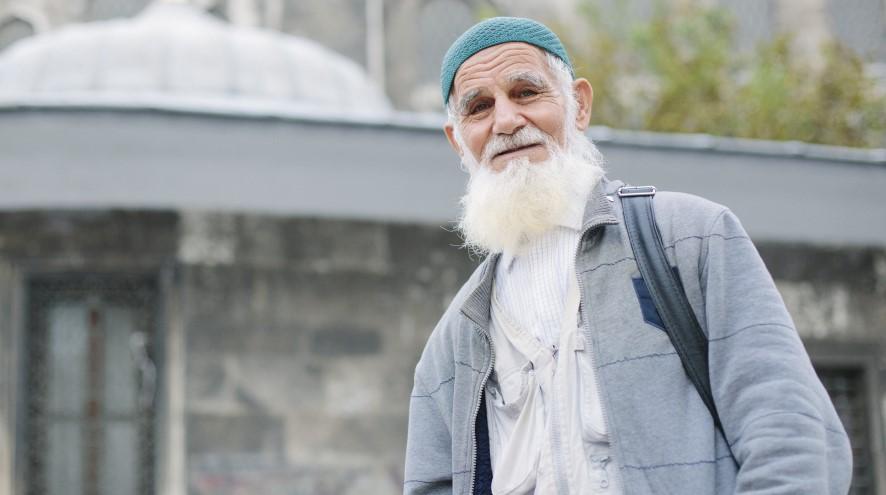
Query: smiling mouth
x,y
514,150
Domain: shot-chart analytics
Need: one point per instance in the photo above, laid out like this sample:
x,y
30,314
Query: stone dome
x,y
177,55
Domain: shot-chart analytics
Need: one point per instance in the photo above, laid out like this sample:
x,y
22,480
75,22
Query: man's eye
x,y
527,92
479,107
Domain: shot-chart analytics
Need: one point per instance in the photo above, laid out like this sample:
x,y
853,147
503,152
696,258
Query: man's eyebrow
x,y
467,99
533,78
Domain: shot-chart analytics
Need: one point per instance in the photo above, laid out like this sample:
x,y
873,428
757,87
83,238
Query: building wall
x,y
302,380
298,336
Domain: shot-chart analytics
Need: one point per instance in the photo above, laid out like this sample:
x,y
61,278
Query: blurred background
x,y
226,225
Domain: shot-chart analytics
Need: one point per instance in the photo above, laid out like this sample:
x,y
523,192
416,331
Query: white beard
x,y
504,211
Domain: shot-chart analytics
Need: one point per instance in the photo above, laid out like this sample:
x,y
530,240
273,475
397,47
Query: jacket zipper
x,y
477,412
593,351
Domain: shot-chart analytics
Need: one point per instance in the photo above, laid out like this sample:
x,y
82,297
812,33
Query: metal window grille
x,y
847,388
90,387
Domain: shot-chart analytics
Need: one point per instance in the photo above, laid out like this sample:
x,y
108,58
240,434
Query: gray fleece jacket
x,y
779,421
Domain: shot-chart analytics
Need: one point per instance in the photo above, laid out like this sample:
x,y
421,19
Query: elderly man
x,y
550,372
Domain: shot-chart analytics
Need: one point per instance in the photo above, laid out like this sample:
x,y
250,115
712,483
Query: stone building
x,y
218,266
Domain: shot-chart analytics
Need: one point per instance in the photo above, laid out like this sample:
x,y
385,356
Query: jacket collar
x,y
598,211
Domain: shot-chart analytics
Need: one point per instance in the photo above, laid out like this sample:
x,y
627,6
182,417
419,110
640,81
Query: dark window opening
x,y
848,390
91,386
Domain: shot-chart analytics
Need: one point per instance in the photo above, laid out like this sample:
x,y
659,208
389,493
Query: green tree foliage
x,y
689,55
680,71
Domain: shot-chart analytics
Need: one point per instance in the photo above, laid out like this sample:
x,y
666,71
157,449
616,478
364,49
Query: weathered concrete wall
x,y
299,336
7,380
42,242
832,293
301,346
837,298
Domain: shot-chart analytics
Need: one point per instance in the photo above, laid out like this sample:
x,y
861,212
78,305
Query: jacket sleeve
x,y
780,422
428,445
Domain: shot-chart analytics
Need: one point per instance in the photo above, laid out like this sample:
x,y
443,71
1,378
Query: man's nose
x,y
508,118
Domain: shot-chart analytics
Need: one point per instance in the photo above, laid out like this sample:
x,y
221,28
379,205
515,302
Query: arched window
x,y
219,9
13,29
110,9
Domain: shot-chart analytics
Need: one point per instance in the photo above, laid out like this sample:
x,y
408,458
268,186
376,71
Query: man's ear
x,y
584,95
450,136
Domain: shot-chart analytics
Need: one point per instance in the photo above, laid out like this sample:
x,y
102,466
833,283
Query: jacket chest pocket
x,y
510,388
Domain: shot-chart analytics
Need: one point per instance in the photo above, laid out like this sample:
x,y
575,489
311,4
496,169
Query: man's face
x,y
499,91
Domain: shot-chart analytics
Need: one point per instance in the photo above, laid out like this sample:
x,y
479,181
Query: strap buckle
x,y
629,191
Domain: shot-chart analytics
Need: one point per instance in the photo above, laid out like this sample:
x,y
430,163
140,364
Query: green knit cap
x,y
496,31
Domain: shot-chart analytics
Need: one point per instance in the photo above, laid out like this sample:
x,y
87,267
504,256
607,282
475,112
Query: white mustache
x,y
526,136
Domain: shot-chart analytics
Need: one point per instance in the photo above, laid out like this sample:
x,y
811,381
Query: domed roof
x,y
174,54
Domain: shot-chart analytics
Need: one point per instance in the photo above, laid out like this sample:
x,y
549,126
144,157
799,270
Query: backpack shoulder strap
x,y
667,292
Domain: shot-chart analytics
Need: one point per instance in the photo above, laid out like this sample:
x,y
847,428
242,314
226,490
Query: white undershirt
x,y
532,287
530,294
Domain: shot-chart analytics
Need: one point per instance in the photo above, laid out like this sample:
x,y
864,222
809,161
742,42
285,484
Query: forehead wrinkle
x,y
482,62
